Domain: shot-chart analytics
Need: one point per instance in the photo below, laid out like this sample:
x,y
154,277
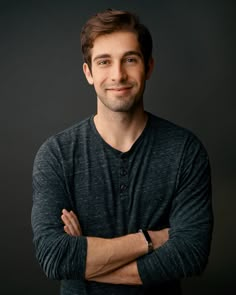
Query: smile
x,y
119,89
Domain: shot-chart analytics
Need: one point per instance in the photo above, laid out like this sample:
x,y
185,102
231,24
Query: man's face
x,y
117,71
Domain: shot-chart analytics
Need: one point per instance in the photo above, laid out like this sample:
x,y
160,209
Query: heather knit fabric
x,y
162,181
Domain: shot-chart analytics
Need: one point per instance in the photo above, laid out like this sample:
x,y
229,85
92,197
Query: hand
x,y
159,237
72,226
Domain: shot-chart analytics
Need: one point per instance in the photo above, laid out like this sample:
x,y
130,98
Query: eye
x,y
103,62
131,60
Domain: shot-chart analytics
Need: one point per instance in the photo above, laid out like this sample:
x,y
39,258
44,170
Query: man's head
x,y
111,21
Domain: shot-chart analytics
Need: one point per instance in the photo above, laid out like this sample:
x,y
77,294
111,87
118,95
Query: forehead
x,y
115,44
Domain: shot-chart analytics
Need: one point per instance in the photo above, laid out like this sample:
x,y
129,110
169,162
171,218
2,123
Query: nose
x,y
118,72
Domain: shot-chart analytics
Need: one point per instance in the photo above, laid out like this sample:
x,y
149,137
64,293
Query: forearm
x,y
128,274
179,258
107,255
113,260
56,254
125,275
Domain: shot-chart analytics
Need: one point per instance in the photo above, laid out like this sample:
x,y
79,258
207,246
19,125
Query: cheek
x,y
98,85
138,75
99,79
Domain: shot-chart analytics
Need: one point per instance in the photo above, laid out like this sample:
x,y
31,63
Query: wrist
x,y
147,239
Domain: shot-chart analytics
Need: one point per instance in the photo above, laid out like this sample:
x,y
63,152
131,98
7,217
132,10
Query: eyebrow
x,y
106,55
133,52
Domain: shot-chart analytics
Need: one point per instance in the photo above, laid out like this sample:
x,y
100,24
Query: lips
x,y
123,88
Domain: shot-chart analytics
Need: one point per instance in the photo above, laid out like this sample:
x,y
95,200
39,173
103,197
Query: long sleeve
x,y
60,255
191,222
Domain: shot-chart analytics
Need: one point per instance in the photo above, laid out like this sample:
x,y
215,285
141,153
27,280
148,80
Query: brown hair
x,y
110,21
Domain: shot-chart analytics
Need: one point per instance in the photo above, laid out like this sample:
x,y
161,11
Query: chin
x,y
124,109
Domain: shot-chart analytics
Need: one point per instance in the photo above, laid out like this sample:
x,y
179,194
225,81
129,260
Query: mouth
x,y
119,89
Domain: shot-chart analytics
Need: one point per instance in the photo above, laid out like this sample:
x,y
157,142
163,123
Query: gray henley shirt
x,y
162,181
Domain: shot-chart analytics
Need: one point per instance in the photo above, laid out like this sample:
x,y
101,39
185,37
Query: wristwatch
x,y
148,239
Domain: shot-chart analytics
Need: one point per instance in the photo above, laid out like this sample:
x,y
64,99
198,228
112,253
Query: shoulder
x,y
174,137
163,126
72,133
64,141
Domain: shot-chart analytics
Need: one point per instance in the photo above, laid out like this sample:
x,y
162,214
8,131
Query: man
x,y
121,200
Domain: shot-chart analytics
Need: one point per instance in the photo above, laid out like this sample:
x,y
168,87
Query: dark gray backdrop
x,y
43,90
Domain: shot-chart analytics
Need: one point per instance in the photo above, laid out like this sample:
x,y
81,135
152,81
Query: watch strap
x,y
148,239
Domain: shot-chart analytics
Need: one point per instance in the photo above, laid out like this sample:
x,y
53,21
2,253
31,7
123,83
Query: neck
x,y
121,129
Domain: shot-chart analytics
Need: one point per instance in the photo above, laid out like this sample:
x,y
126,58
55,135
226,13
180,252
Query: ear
x,y
150,68
87,73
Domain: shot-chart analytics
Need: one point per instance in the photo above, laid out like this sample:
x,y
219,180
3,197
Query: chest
x,y
117,195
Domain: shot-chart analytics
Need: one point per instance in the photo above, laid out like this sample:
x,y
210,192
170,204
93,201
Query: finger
x,y
66,217
67,230
67,223
75,221
72,227
72,214
65,212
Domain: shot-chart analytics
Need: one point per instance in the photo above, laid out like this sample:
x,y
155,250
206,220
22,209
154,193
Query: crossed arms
x,y
65,254
113,260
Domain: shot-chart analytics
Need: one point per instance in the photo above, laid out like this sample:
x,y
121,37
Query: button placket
x,y
123,177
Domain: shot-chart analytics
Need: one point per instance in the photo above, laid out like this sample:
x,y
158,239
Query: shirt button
x,y
123,187
123,172
124,159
